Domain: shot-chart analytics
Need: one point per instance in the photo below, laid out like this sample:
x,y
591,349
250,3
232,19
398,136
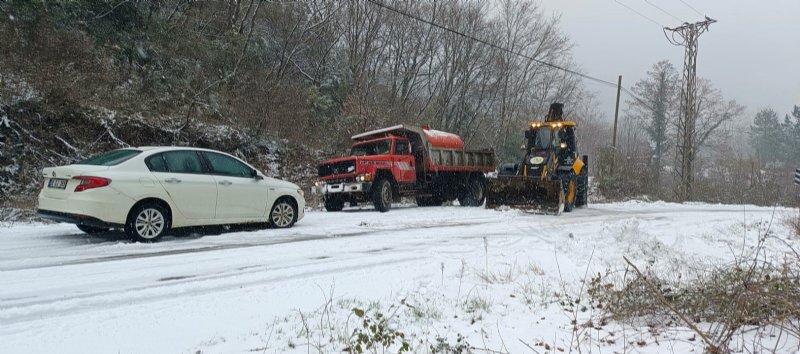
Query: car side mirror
x,y
255,175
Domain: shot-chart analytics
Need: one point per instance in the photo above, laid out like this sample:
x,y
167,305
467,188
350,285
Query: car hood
x,y
276,183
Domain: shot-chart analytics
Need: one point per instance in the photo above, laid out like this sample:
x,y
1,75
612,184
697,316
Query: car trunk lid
x,y
58,182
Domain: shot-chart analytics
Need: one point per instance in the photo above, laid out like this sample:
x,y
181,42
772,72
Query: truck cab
x,y
351,179
390,152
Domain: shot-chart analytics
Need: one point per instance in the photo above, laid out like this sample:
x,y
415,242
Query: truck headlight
x,y
364,178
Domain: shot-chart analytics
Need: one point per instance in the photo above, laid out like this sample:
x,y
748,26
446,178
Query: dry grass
x,y
793,222
748,295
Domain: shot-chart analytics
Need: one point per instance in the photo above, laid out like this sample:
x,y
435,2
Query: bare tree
x,y
713,113
657,111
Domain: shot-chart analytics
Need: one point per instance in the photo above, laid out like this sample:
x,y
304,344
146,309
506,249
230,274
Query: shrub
x,y
748,294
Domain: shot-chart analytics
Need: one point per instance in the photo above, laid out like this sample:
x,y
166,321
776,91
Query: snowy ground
x,y
489,276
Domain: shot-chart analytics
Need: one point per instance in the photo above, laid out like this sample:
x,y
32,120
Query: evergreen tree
x,y
791,143
767,135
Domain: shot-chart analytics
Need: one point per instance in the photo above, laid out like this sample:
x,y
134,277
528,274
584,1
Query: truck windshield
x,y
373,148
542,139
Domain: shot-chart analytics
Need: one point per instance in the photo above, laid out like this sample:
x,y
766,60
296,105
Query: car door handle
x,y
225,183
172,180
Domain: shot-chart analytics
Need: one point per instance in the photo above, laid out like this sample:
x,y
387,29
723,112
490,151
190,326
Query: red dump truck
x,y
388,163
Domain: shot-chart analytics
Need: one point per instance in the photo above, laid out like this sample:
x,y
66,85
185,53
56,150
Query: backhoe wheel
x,y
382,195
570,194
334,204
474,194
582,199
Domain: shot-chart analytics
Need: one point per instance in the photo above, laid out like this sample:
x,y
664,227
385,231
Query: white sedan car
x,y
148,190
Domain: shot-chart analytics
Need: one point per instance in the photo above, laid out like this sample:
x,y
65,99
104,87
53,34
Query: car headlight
x,y
300,191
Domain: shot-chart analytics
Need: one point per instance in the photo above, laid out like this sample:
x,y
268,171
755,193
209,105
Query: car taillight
x,y
89,182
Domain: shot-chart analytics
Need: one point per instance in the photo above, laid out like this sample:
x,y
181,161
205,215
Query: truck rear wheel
x,y
474,194
334,204
382,195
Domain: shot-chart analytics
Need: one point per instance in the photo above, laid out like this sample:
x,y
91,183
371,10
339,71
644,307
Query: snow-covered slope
x,y
494,277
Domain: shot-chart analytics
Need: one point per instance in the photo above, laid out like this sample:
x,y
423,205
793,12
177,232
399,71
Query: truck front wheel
x,y
382,195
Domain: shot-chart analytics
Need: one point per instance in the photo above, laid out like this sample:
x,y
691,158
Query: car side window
x,y
227,166
156,163
184,161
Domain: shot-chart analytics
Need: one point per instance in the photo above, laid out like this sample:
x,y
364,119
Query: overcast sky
x,y
752,53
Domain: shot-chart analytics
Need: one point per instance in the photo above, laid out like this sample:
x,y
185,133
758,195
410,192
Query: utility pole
x,y
686,36
614,137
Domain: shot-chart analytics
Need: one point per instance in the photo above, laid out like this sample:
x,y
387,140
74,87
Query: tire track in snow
x,y
222,247
14,310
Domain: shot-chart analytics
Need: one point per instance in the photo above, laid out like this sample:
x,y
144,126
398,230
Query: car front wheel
x,y
283,214
147,222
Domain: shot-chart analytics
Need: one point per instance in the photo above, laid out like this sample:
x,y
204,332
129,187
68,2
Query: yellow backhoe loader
x,y
552,177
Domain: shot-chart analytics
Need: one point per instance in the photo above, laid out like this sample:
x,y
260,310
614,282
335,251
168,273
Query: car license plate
x,y
59,183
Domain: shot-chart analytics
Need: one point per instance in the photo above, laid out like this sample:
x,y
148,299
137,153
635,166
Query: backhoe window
x,y
542,139
374,148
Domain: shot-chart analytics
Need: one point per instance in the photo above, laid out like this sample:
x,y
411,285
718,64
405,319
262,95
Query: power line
x,y
640,14
554,66
487,43
691,7
662,10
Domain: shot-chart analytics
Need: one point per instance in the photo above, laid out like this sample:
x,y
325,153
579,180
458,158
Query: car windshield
x,y
110,158
381,147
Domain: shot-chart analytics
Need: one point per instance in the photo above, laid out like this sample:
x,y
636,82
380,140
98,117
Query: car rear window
x,y
110,158
156,163
183,161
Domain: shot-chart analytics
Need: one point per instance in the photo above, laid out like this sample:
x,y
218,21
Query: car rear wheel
x,y
91,229
147,222
283,214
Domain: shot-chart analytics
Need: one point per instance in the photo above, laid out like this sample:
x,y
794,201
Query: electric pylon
x,y
686,36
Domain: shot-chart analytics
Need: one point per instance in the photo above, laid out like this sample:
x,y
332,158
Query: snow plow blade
x,y
527,193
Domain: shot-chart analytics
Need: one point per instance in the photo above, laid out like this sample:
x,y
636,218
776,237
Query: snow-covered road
x,y
63,291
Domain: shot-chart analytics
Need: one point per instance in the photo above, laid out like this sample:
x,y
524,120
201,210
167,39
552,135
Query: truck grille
x,y
337,168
